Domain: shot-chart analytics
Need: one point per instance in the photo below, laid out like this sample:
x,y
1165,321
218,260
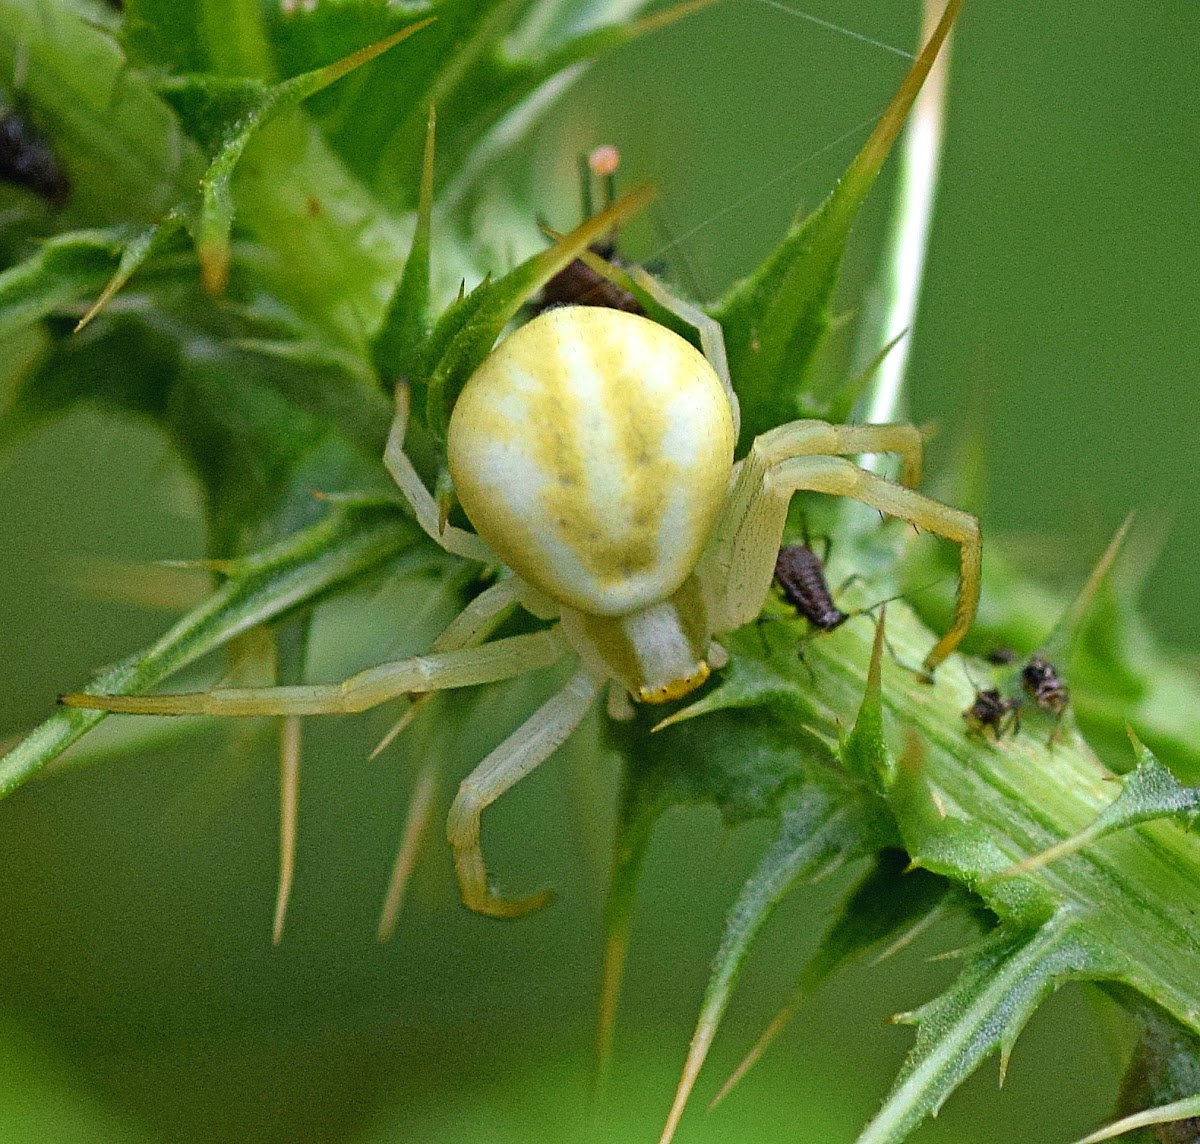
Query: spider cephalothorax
x,y
593,453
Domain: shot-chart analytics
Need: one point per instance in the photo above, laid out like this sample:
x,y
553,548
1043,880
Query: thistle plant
x,y
277,213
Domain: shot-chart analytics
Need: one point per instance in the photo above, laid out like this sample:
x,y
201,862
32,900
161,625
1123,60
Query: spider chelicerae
x,y
593,454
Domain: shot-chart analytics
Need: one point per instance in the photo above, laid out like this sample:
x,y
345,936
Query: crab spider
x,y
592,451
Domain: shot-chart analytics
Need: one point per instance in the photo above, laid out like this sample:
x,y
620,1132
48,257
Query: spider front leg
x,y
474,624
457,541
784,462
501,659
527,747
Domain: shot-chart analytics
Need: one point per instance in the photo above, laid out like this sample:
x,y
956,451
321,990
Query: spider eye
x,y
676,689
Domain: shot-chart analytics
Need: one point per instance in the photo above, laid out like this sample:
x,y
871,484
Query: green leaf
x,y
746,683
865,753
742,760
1060,642
121,145
968,809
66,268
407,322
1148,793
214,220
225,36
823,824
892,904
136,251
982,1013
775,319
966,850
294,573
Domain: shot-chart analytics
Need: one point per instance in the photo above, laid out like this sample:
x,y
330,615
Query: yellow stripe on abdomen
x,y
592,451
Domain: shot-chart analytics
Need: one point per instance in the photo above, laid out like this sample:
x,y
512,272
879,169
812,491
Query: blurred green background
x,y
142,998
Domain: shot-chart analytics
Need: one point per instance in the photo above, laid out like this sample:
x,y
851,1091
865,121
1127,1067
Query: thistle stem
x,y
904,262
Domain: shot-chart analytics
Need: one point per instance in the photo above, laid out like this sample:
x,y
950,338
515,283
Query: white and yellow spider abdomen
x,y
592,451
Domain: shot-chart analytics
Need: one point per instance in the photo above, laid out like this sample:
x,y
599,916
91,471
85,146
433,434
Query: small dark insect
x,y
1044,686
26,159
801,575
1001,656
992,710
577,284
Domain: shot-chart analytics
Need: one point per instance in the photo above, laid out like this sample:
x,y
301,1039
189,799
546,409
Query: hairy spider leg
x,y
474,624
436,671
799,439
524,750
797,457
457,541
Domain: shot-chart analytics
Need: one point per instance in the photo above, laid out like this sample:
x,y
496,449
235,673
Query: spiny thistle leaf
x,y
406,324
261,587
963,849
66,268
890,906
865,753
736,758
1150,792
951,831
982,1013
135,252
774,320
1060,642
121,145
823,824
745,683
214,216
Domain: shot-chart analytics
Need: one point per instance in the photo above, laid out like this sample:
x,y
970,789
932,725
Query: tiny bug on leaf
x,y
801,575
27,159
991,711
1045,686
